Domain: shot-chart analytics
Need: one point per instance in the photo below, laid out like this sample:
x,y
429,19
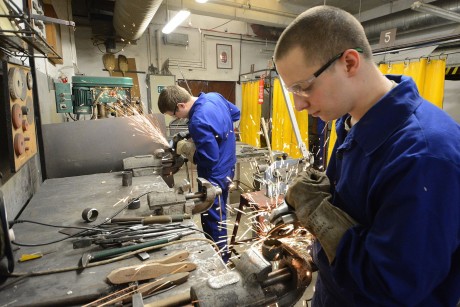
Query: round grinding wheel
x,y
30,110
30,81
16,115
19,146
25,125
17,83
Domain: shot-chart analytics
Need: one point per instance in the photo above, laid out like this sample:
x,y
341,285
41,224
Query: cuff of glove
x,y
328,223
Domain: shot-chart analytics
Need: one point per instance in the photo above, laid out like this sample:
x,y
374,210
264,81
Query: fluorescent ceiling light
x,y
175,21
201,1
434,10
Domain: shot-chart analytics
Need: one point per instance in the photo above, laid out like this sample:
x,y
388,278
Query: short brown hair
x,y
323,32
170,96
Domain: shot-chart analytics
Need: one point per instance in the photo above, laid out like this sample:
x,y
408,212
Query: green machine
x,y
86,92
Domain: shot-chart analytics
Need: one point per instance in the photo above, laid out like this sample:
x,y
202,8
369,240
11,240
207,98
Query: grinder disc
x,y
17,83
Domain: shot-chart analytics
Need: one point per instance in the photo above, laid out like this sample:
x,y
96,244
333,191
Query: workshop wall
x,y
20,186
197,61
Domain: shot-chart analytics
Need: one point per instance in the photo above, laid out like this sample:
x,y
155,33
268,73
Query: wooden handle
x,y
148,271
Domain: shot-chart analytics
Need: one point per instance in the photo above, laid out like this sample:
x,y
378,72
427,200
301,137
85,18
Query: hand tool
x,y
89,257
148,271
127,235
27,257
147,220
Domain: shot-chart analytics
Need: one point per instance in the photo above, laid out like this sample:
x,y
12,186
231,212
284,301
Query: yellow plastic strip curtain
x,y
428,74
434,91
331,142
283,137
250,114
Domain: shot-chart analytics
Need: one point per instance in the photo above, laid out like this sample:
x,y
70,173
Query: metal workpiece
x,y
274,179
253,282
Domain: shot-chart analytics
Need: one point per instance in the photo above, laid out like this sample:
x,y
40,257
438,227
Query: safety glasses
x,y
302,88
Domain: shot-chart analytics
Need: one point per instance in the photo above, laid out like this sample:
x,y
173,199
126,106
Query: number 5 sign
x,y
387,37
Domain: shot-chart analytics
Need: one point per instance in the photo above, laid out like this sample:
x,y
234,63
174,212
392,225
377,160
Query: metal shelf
x,y
24,42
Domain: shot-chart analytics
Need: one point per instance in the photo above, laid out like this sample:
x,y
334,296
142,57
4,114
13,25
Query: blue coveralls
x,y
397,173
211,128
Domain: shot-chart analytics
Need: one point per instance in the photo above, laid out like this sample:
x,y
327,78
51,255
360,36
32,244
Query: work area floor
x,y
245,230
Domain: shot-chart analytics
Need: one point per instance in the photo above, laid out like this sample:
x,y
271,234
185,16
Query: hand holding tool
x,y
187,149
309,196
183,135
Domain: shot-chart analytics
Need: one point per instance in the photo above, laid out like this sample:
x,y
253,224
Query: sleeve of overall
x,y
408,249
234,111
207,149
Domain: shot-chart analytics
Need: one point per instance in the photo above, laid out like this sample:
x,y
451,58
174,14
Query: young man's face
x,y
323,95
179,111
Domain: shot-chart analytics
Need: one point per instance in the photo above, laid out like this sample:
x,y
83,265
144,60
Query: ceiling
x,y
269,17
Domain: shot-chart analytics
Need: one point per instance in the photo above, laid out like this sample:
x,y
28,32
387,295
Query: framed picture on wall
x,y
224,56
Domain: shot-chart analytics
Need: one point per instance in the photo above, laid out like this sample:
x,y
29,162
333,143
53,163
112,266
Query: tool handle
x,y
120,250
126,219
159,219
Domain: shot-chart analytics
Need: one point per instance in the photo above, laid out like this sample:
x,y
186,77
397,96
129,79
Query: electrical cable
x,y
81,232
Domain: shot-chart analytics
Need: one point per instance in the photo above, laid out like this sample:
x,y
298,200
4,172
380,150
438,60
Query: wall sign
x,y
224,56
387,37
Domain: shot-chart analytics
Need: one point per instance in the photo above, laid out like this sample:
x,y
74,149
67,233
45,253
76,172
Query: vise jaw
x,y
176,202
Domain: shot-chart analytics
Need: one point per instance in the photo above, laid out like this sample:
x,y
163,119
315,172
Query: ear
x,y
352,61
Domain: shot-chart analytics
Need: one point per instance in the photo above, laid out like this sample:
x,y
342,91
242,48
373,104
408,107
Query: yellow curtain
x,y
250,114
428,74
331,142
283,137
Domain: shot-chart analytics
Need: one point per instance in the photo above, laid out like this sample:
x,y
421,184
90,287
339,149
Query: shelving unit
x,y
23,41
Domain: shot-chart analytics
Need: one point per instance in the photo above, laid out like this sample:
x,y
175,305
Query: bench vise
x,y
176,202
270,274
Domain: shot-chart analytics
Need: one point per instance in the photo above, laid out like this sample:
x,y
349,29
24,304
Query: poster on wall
x,y
224,56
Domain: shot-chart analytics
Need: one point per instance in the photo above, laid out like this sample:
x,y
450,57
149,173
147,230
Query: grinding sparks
x,y
144,125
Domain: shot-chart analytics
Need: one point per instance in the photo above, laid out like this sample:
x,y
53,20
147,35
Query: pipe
x,y
253,8
408,20
132,17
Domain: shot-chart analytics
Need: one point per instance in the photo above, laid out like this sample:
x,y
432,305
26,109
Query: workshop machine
x,y
87,93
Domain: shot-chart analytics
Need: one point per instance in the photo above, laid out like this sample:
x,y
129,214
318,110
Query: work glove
x,y
309,196
186,148
179,136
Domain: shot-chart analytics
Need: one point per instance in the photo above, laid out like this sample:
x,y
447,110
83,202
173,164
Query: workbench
x,y
61,202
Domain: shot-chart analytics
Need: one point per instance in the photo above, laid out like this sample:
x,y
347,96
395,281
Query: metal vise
x,y
256,281
163,162
175,202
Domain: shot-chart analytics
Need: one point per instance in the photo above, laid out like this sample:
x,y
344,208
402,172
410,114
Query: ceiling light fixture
x,y
201,1
434,10
175,21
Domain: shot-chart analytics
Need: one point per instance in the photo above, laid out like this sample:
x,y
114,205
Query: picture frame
x,y
224,56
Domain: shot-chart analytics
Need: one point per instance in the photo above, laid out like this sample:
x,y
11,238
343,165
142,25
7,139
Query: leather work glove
x,y
309,196
186,148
